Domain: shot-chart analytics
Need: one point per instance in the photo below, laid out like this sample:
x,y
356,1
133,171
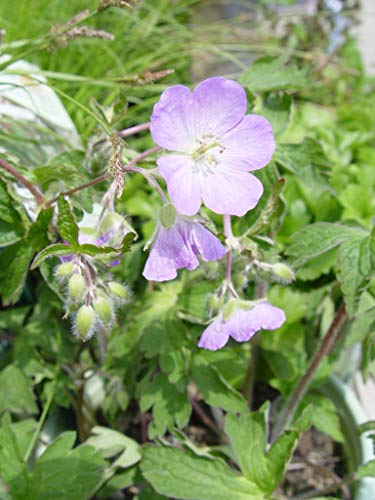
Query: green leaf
x,y
23,432
176,474
109,443
62,473
66,222
11,225
316,239
215,390
120,481
16,394
366,470
277,109
324,416
15,262
13,470
15,259
269,73
356,259
50,251
166,340
307,161
170,407
90,249
249,440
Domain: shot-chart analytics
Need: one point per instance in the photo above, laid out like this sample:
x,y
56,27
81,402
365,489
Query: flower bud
x,y
214,303
64,270
76,287
229,309
118,291
240,280
234,304
84,322
283,271
104,309
167,215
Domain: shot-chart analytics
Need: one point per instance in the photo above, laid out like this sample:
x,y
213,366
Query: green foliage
x,y
170,407
215,390
16,395
366,470
11,224
268,73
16,258
66,223
356,259
248,436
180,475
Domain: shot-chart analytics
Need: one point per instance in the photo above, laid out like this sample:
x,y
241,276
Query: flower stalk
x,y
17,175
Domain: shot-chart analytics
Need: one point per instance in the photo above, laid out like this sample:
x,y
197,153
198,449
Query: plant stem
x,y
140,157
248,386
13,171
128,168
228,234
329,341
46,408
134,130
101,178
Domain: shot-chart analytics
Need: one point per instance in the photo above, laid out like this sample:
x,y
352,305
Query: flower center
x,y
205,155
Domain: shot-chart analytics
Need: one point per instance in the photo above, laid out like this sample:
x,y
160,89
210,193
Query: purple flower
x,y
241,325
178,246
214,144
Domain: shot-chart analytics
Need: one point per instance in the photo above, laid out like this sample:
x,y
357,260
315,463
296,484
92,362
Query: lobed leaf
x,y
66,223
270,73
318,238
181,475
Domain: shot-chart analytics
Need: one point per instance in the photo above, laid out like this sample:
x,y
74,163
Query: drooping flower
x,y
243,322
215,146
178,243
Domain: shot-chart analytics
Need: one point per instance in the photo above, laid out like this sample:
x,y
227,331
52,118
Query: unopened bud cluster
x,y
92,302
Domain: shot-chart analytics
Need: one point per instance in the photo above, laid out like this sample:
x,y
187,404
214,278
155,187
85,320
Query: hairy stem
x,y
140,157
228,234
134,130
329,341
14,172
85,185
128,168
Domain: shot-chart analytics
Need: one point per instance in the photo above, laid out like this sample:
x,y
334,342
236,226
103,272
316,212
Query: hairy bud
x,y
214,303
120,292
283,271
104,310
84,322
76,287
64,270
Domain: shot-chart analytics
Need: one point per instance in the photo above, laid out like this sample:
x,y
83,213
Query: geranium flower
x,y
177,245
242,324
214,144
